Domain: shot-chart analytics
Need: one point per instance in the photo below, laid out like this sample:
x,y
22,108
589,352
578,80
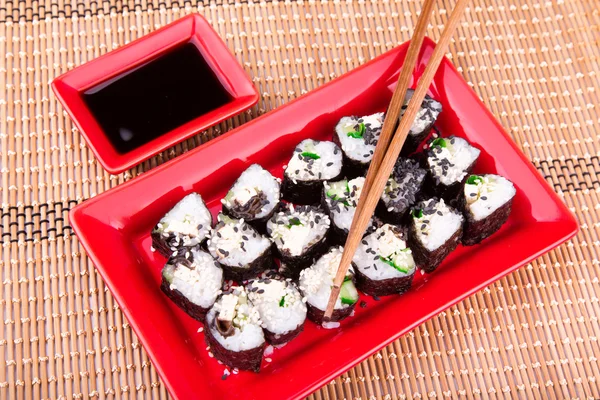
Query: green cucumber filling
x,y
282,301
438,142
389,260
359,133
417,213
348,292
294,221
339,191
474,179
311,155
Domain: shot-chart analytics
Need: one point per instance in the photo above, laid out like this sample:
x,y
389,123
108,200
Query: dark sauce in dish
x,y
144,103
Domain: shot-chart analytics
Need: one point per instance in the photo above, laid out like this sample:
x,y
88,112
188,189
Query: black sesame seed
x,y
363,304
483,198
376,298
261,291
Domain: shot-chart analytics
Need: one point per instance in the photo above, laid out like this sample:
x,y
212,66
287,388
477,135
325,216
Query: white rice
x,y
360,148
426,116
245,318
199,282
236,243
279,304
389,243
294,230
487,195
316,282
342,210
449,164
303,168
189,220
433,229
253,182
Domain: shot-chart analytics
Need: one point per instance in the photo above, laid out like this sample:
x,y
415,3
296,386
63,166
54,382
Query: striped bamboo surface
x,y
532,335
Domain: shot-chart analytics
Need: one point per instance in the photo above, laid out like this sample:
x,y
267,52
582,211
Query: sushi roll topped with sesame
x,y
192,282
424,121
435,231
316,283
280,307
384,263
300,235
312,163
240,250
486,203
449,161
185,226
233,331
357,137
401,191
340,199
254,196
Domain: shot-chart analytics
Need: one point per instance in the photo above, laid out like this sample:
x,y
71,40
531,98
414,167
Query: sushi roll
x,y
240,250
340,200
448,162
486,203
426,117
357,137
233,331
401,191
435,231
254,197
300,235
316,283
185,226
312,163
384,265
192,282
280,307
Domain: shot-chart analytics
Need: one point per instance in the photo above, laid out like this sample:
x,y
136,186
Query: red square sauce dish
x,y
114,228
154,92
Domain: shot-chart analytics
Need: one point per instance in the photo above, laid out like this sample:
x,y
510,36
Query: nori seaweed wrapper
x,y
304,192
413,141
450,193
295,264
163,244
193,310
476,231
351,168
239,274
248,360
317,315
383,287
427,260
260,224
277,339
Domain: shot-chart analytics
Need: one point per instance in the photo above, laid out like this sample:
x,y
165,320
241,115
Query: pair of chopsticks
x,y
390,143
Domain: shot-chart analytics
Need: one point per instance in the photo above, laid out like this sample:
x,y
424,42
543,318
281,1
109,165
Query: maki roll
x,y
280,307
240,250
401,191
300,236
449,161
435,230
254,197
185,226
384,265
486,203
233,331
426,117
316,283
340,200
357,138
313,163
192,282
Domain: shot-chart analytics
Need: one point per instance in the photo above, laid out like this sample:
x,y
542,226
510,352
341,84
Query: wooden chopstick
x,y
368,200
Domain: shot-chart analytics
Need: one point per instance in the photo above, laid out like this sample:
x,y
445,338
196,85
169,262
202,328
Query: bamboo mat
x,y
532,335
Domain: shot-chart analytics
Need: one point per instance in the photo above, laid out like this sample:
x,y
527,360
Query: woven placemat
x,y
532,335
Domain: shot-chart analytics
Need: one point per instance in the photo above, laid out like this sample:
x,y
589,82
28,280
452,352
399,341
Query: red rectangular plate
x,y
115,226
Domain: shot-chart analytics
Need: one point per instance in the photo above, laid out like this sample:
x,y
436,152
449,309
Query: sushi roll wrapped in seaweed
x,y
357,137
233,331
316,283
300,235
384,265
240,250
448,162
185,226
424,121
486,203
192,282
312,163
254,197
435,231
401,191
340,200
280,307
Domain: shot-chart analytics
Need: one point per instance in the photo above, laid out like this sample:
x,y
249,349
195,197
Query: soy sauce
x,y
144,103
